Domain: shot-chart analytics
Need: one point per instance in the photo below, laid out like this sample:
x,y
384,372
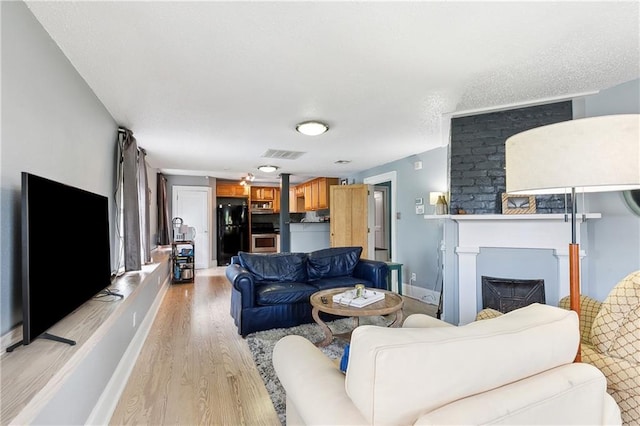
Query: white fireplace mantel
x,y
530,231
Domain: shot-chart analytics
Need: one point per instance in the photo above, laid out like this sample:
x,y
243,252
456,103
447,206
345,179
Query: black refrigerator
x,y
233,232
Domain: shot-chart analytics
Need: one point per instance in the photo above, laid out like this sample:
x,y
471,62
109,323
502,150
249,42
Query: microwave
x,y
264,243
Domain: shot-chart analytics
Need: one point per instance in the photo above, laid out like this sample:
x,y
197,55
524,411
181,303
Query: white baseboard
x,y
106,405
431,297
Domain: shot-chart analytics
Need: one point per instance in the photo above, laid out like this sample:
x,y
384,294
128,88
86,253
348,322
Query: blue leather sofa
x,y
273,290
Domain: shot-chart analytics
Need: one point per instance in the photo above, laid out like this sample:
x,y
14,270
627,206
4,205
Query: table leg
x,y
328,335
398,321
400,280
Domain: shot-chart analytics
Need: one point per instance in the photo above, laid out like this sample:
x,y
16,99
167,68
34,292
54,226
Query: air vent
x,y
283,155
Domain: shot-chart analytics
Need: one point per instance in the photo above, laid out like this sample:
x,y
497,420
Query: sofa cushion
x,y
335,282
276,293
278,267
332,262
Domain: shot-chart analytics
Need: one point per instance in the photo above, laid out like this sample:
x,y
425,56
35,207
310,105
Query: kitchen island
x,y
309,236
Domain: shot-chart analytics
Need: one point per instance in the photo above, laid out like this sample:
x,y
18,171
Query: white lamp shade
x,y
590,154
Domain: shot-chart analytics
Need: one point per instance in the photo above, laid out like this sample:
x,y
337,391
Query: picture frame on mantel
x,y
518,204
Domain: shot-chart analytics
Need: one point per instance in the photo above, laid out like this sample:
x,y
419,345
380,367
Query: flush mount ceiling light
x,y
312,128
342,161
268,168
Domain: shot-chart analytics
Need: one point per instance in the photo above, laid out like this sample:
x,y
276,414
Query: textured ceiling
x,y
208,87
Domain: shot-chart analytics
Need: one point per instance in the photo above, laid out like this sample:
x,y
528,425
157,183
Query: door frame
x,y
175,189
389,177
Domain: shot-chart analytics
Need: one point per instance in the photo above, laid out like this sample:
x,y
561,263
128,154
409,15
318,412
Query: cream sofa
x,y
514,369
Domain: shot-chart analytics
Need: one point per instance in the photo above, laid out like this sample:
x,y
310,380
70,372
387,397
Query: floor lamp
x,y
594,154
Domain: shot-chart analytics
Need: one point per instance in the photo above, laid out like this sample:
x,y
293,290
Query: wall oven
x,y
264,243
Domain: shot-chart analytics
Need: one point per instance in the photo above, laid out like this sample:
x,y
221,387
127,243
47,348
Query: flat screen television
x,y
65,252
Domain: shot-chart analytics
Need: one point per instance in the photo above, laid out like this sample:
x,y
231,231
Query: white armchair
x,y
514,369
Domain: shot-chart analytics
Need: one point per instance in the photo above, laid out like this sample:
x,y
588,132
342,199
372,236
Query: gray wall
x,y
52,125
417,239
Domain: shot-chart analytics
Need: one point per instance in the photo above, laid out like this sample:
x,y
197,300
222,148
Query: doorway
x,y
381,220
192,204
388,181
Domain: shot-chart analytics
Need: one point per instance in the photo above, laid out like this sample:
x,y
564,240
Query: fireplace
x,y
507,294
465,235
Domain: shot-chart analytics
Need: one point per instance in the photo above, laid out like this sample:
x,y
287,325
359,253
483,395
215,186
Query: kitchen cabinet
x,y
323,192
315,193
308,201
230,189
296,202
276,200
263,193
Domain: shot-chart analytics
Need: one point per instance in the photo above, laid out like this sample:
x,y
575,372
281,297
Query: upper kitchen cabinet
x,y
308,197
263,193
230,189
323,192
314,194
276,200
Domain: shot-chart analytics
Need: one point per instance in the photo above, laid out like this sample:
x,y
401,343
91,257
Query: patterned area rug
x,y
261,345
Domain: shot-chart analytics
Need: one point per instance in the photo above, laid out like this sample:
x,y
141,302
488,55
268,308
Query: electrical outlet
x,y
134,319
413,276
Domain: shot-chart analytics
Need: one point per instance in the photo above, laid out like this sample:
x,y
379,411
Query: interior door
x,y
191,203
352,218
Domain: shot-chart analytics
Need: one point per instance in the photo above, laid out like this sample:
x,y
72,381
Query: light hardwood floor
x,y
194,368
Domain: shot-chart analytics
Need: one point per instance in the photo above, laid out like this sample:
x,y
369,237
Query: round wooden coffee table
x,y
322,301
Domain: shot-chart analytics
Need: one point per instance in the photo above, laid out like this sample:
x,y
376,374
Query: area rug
x,y
261,345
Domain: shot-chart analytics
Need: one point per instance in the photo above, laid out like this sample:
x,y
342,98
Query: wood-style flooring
x,y
194,368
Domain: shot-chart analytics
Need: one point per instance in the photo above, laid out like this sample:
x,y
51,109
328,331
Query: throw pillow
x,y
277,267
344,361
333,262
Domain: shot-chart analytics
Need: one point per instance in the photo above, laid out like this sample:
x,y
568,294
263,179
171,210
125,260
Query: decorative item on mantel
x,y
441,205
439,201
518,204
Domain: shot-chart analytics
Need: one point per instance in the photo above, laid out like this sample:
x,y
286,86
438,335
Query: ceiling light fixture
x,y
268,168
342,161
247,179
312,128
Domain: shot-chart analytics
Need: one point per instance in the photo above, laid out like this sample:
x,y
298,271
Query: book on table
x,y
350,298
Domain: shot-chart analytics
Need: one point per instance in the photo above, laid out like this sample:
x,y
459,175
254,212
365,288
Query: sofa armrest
x,y
372,270
313,384
589,309
243,282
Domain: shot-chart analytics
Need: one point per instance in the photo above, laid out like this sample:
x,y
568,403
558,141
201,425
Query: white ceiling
x,y
208,87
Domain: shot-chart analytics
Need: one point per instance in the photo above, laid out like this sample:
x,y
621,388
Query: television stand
x,y
44,336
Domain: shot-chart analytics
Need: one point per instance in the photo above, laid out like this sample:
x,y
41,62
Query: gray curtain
x,y
130,206
144,201
164,236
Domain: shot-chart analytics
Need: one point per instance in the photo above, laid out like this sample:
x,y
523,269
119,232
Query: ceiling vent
x,y
283,155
